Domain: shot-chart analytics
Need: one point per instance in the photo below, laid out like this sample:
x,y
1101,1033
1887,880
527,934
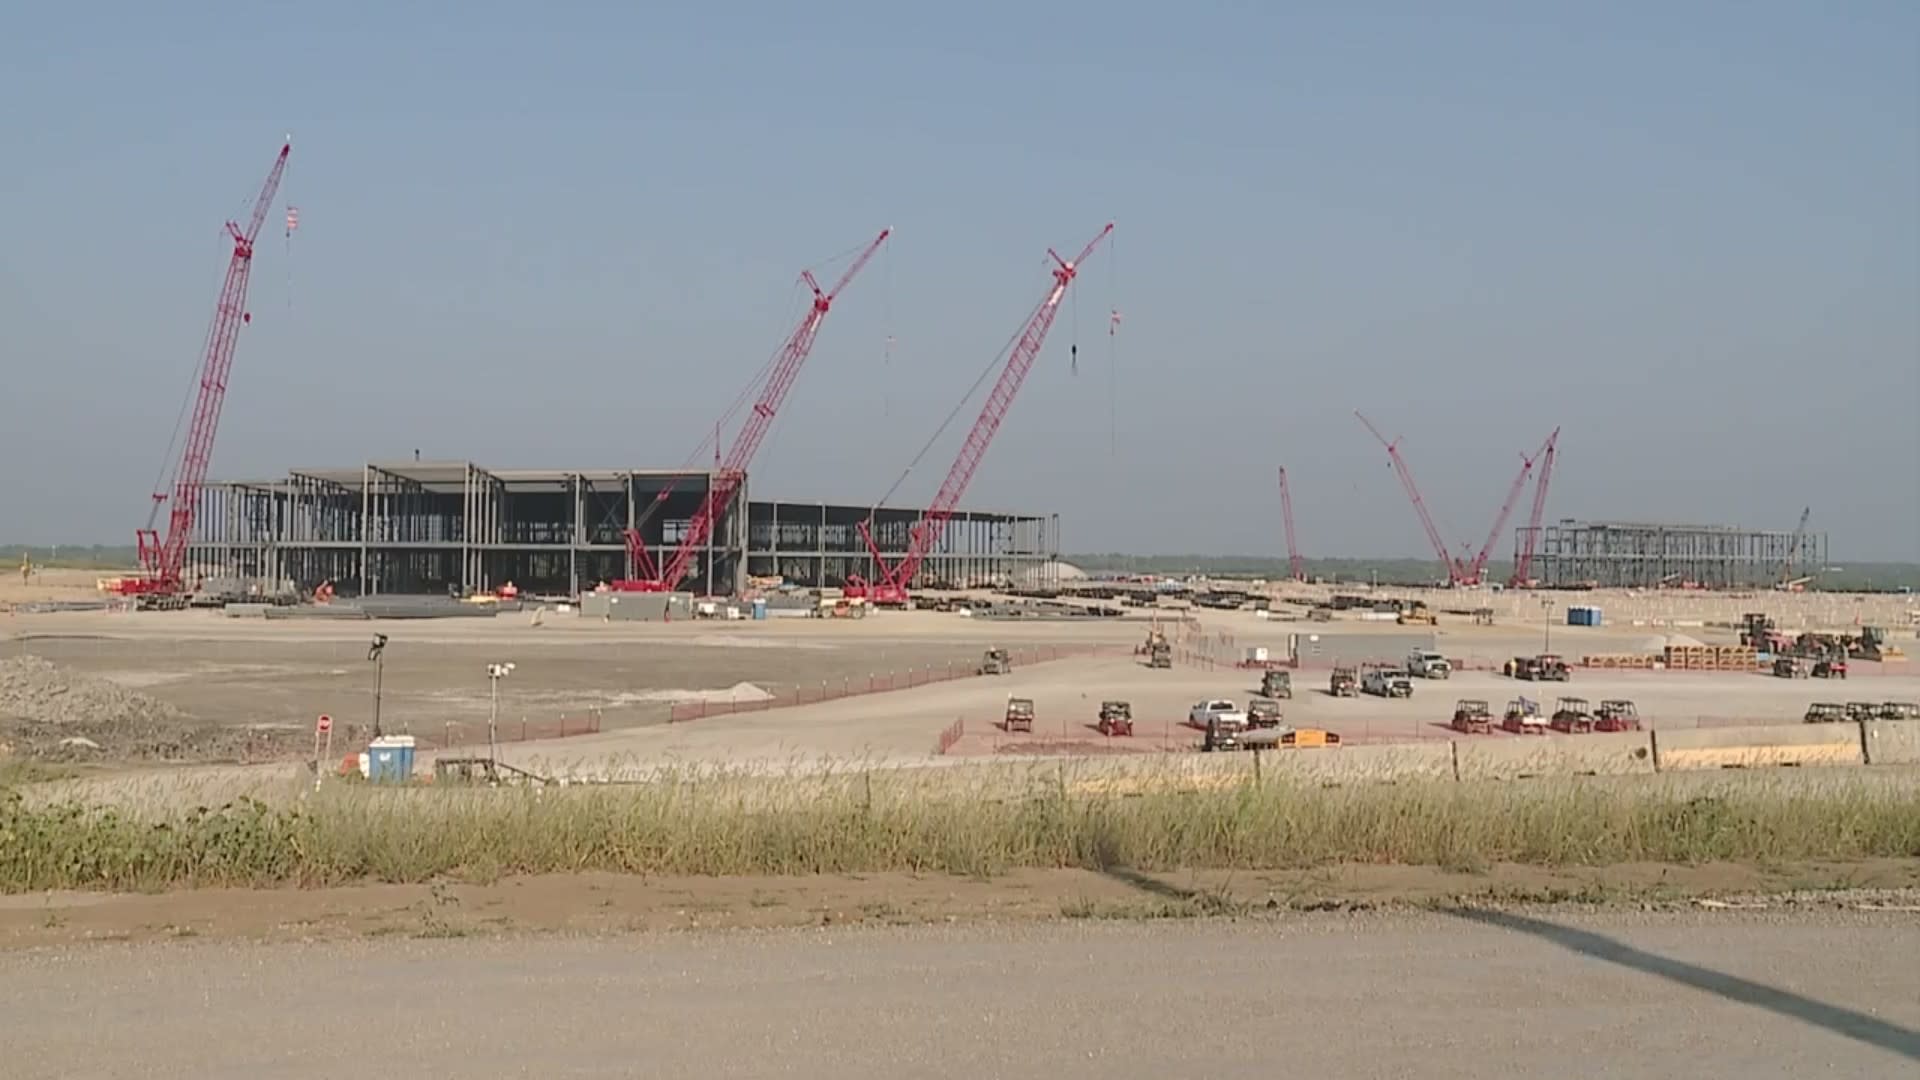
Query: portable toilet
x,y
760,607
390,759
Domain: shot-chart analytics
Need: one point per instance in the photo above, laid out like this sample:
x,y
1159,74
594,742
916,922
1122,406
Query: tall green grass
x,y
939,821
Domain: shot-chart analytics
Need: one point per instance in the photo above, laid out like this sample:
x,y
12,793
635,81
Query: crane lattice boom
x,y
925,534
1296,567
1477,570
163,560
731,472
1530,540
1456,570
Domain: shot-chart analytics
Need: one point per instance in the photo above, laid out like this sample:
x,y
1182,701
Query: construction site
x,y
439,527
254,598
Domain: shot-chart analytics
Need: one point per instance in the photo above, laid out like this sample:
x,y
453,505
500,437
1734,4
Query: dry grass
x,y
964,821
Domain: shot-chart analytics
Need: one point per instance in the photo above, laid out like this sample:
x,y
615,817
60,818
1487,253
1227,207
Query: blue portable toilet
x,y
390,759
760,607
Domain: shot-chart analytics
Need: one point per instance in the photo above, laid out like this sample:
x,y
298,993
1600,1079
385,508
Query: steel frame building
x,y
426,527
1628,554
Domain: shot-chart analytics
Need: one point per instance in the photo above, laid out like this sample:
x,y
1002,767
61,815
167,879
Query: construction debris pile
x,y
52,714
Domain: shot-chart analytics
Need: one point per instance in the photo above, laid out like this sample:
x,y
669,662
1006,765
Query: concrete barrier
x,y
1358,764
1600,754
1753,747
1892,742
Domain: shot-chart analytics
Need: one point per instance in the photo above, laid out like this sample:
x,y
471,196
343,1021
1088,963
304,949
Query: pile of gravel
x,y
36,691
52,714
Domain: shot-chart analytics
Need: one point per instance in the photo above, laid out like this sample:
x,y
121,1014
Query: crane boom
x,y
163,561
1456,571
732,470
1477,569
1530,540
1793,547
925,534
1296,567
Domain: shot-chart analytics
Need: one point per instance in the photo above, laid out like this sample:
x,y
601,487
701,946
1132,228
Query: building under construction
x,y
431,527
1626,554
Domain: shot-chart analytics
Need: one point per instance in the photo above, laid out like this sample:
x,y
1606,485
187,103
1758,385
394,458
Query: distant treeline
x,y
73,556
1853,577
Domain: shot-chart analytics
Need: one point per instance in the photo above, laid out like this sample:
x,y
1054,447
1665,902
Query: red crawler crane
x,y
732,471
163,561
1296,566
1476,571
926,533
1530,540
1456,570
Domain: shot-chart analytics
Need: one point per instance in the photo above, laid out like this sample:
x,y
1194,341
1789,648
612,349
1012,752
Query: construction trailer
x,y
436,527
1626,554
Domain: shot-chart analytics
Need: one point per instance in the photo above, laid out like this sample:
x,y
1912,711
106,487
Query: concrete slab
x,y
1754,747
1600,754
1893,742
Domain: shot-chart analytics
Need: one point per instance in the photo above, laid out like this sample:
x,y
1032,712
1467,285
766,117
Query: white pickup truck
x,y
1428,664
1226,713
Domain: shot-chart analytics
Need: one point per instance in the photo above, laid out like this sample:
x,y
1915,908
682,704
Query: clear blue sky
x,y
565,234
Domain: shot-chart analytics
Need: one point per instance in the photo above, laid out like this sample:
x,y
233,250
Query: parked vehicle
x,y
1546,667
1898,710
1416,613
1471,716
1160,656
1428,664
1789,667
1388,683
996,662
1342,683
1523,718
1280,738
1116,718
1830,668
1019,714
1616,714
1263,713
1277,684
1572,717
1862,710
1218,711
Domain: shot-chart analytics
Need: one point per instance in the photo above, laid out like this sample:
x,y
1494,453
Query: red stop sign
x,y
323,725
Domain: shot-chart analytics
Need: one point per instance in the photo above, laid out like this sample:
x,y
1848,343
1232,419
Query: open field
x,y
1466,992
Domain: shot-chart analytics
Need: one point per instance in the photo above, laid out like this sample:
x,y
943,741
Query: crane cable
x,y
1113,348
961,404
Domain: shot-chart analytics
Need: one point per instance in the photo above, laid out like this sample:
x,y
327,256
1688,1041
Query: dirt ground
x,y
610,903
623,680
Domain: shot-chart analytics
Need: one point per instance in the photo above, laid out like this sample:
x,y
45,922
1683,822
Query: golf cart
x,y
1019,714
1616,714
1523,718
1471,716
1116,718
1276,684
1571,716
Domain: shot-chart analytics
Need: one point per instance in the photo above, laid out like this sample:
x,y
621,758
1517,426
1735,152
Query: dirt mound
x,y
52,714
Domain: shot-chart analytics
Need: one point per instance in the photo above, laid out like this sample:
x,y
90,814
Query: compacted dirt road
x,y
1469,994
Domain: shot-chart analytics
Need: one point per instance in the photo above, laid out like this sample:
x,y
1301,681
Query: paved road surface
x,y
1699,995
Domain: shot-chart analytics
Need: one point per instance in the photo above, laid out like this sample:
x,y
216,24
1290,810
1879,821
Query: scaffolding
x,y
1627,554
436,527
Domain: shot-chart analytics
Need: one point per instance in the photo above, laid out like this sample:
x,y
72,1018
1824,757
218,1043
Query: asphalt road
x,y
1432,996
